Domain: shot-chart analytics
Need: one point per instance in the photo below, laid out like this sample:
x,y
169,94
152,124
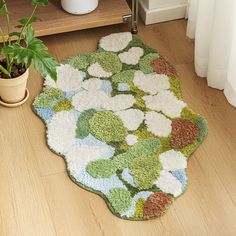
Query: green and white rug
x,y
118,119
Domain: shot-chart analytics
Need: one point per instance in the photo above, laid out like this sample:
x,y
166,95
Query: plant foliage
x,y
27,49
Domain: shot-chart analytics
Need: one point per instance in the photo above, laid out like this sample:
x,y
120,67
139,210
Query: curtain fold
x,y
213,25
230,86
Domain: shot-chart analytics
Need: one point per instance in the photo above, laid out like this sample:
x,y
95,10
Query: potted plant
x,y
79,7
17,56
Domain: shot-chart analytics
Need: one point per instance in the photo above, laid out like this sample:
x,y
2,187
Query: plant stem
x,y
8,22
8,57
1,31
5,71
26,24
2,35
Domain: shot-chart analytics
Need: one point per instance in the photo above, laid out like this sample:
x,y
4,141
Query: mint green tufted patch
x,y
101,168
120,199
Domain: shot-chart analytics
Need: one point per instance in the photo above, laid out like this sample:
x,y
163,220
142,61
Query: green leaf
x,y
47,64
40,2
29,36
23,22
35,52
5,71
14,34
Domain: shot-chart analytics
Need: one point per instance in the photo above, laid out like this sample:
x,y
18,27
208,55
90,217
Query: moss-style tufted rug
x,y
118,119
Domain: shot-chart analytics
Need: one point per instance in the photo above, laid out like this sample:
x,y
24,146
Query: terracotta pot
x,y
13,91
79,7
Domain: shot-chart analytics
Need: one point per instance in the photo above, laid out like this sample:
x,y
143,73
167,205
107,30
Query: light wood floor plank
x,y
23,206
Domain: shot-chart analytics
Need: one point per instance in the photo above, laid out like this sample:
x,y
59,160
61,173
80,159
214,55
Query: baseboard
x,y
161,14
152,4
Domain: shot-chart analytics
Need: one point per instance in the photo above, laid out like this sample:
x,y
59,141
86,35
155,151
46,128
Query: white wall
x,y
155,11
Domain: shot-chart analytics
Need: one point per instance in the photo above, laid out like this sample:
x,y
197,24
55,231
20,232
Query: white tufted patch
x,y
151,83
48,81
158,124
61,132
168,183
80,155
115,42
119,102
85,100
132,56
92,84
97,71
166,102
132,118
173,160
68,78
131,139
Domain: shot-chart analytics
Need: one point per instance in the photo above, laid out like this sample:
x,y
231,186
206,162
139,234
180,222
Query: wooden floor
x,y
37,197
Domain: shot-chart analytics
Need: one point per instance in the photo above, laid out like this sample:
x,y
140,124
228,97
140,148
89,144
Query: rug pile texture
x,y
118,119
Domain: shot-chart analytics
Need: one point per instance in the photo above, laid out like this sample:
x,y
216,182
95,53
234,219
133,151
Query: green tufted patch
x,y
101,168
107,126
110,62
43,101
139,208
145,62
80,62
123,77
120,199
53,92
145,171
63,105
82,124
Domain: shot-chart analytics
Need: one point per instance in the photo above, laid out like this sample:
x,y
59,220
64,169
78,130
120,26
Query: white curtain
x,y
213,25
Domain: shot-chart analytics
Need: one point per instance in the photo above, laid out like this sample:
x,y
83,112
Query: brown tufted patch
x,y
162,66
156,205
184,132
